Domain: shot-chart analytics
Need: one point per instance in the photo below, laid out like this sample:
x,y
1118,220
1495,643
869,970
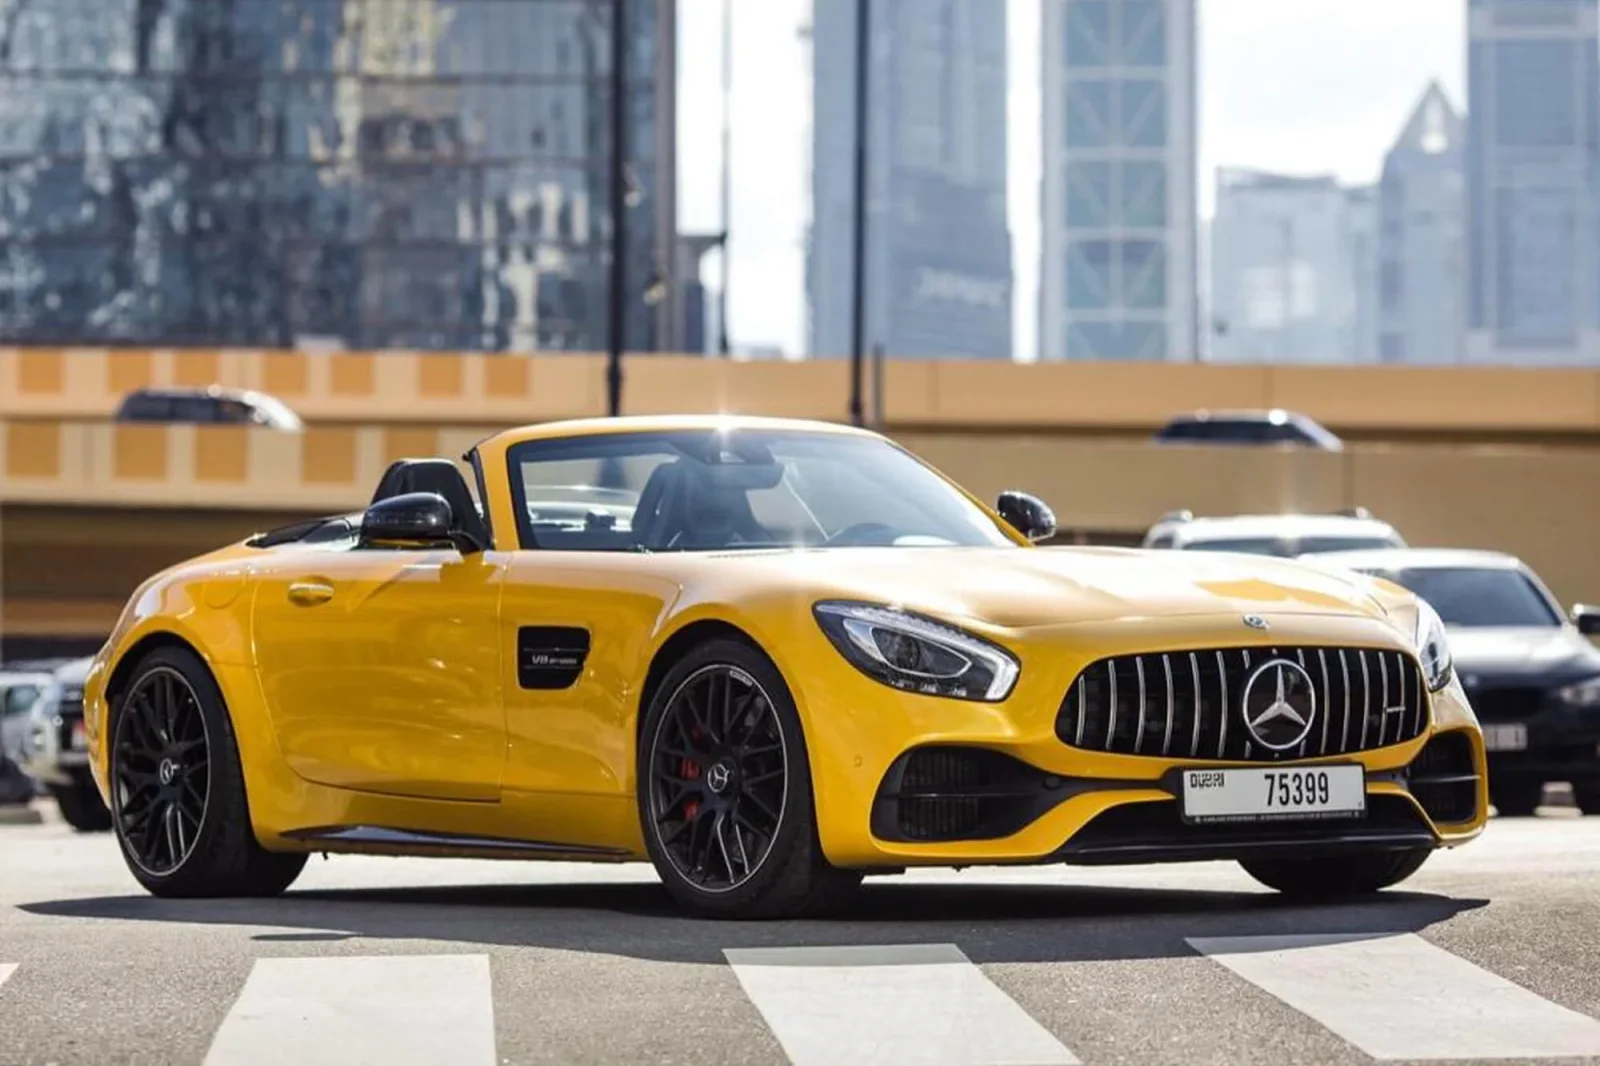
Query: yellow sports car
x,y
769,657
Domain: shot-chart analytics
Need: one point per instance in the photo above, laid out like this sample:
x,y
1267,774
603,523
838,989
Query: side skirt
x,y
382,840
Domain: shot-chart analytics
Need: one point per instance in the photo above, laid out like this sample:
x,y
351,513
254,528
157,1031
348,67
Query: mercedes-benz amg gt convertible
x,y
769,657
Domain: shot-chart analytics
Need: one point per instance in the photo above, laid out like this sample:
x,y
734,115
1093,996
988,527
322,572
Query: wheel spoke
x,y
759,802
722,846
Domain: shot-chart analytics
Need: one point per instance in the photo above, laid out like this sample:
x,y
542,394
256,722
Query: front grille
x,y
1189,704
1505,704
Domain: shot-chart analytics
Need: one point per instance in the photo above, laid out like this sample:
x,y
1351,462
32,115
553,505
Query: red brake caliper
x,y
690,771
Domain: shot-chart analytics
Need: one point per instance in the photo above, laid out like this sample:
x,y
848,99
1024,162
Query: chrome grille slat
x,y
1092,715
1138,736
1172,706
1194,742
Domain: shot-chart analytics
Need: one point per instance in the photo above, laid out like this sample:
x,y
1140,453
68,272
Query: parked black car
x,y
1530,671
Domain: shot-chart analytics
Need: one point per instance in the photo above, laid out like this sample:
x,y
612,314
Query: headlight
x,y
1432,648
1581,694
917,654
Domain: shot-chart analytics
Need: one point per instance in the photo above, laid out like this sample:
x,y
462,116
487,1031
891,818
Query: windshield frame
x,y
556,448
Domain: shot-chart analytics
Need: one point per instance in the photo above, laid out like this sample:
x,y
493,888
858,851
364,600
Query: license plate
x,y
1512,737
1264,795
80,739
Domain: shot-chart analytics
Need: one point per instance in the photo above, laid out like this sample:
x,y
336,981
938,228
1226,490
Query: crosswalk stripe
x,y
1397,996
6,970
393,1010
910,1005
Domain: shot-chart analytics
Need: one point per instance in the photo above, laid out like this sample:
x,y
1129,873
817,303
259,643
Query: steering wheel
x,y
862,534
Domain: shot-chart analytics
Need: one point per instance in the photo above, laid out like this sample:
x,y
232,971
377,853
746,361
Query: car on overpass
x,y
55,749
212,405
1285,535
1269,427
1528,667
772,657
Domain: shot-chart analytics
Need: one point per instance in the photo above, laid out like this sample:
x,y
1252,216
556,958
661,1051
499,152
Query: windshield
x,y
1289,547
710,490
1471,597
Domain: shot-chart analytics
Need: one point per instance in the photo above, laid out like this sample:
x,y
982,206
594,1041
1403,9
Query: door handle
x,y
310,593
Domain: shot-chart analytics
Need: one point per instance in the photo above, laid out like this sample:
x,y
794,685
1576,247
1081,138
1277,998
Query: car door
x,y
381,668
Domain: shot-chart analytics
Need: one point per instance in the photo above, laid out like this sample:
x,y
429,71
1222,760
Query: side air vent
x,y
551,657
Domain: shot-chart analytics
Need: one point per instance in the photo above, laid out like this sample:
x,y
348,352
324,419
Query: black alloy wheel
x,y
178,801
724,790
718,771
162,781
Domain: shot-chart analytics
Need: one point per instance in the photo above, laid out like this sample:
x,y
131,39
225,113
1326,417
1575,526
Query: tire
x,y
222,857
1331,878
791,877
81,806
1516,797
1586,794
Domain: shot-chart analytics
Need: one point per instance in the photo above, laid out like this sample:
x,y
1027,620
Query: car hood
x,y
1553,653
1022,587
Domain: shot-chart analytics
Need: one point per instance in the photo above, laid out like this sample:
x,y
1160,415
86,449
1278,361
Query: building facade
x,y
1422,238
360,173
1117,275
938,276
1293,275
1532,180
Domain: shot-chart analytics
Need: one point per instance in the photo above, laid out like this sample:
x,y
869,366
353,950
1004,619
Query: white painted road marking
x,y
906,1005
6,970
1400,997
382,1010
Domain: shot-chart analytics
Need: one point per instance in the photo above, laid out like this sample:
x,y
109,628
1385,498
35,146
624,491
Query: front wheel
x,y
177,790
1344,875
724,790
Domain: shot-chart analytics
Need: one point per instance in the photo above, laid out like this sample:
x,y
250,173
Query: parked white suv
x,y
1286,535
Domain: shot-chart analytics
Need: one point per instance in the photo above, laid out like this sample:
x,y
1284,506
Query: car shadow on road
x,y
991,922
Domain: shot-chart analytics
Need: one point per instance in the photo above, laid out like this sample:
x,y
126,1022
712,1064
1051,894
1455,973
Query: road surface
x,y
1491,952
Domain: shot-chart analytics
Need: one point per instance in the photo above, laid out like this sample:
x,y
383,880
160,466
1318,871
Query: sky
x,y
1296,86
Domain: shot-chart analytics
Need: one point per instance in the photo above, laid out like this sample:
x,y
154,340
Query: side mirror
x,y
1587,619
1027,514
408,520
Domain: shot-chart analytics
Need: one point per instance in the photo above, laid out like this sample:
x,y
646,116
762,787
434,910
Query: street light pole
x,y
727,169
859,308
619,205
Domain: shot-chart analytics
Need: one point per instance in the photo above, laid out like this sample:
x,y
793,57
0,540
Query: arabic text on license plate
x,y
1506,737
1269,794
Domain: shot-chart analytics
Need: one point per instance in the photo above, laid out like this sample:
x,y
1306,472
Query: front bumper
x,y
1555,741
1060,803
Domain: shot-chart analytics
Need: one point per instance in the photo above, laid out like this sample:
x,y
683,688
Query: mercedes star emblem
x,y
1279,704
1255,621
717,777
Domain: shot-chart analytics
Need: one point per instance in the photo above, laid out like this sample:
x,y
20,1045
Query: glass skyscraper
x,y
1533,175
938,252
1117,275
361,173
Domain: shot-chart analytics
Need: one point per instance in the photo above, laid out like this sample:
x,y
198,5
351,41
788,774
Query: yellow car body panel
x,y
430,731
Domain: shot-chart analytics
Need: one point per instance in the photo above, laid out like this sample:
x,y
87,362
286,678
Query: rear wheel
x,y
1344,875
81,806
177,791
1516,797
1586,794
724,789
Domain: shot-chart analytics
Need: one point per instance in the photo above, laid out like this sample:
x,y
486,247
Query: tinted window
x,y
707,490
1290,546
1247,545
1469,597
19,700
1315,545
145,408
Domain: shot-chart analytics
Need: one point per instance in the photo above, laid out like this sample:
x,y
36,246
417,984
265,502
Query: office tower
x,y
1118,215
938,249
1422,238
359,173
1533,165
1293,267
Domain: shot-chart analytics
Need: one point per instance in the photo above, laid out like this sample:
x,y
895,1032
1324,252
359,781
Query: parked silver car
x,y
56,754
18,691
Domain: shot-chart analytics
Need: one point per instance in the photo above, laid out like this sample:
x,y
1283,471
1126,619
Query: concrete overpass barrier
x,y
87,508
470,389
